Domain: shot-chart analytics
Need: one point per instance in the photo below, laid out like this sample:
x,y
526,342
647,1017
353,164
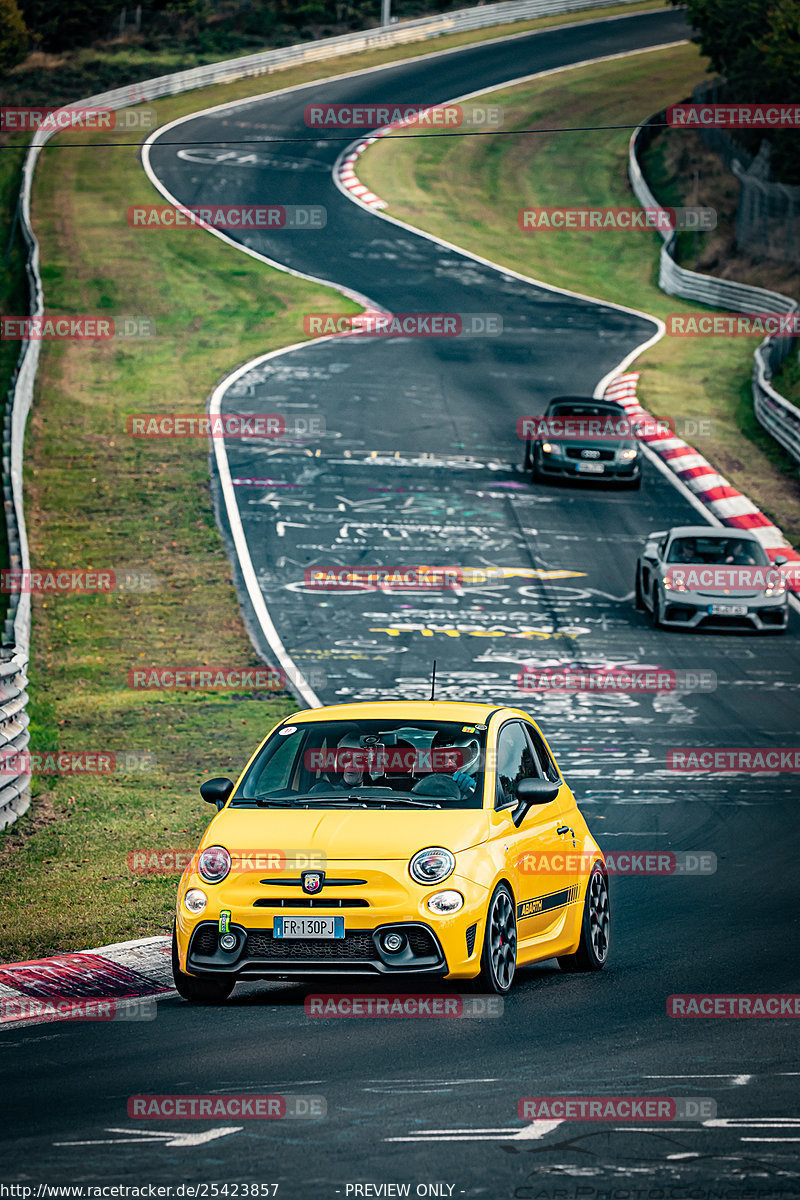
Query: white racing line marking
x,y
173,1138
531,1132
736,1080
294,676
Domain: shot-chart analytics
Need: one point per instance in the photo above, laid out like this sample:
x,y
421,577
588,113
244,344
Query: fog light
x,y
228,941
195,900
446,902
393,943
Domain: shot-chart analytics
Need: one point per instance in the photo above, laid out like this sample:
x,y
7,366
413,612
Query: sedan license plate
x,y
308,927
728,610
591,468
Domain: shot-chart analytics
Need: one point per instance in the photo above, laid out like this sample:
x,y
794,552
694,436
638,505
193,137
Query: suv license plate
x,y
308,927
591,468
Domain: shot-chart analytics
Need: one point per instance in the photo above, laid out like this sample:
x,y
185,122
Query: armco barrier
x,y
776,414
15,794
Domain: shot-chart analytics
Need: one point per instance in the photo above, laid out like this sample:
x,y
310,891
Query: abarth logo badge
x,y
312,881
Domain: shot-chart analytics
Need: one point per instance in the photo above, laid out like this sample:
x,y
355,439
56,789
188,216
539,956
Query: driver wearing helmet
x,y
463,753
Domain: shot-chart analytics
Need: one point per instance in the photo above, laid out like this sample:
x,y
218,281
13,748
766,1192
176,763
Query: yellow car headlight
x,y
195,901
431,865
213,864
444,903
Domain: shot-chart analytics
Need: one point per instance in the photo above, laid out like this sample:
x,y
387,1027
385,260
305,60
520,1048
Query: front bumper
x,y
381,900
259,955
567,468
693,611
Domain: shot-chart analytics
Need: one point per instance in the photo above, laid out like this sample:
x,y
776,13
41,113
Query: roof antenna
x,y
433,679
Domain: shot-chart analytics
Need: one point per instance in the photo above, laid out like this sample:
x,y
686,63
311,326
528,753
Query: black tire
x,y
638,600
635,485
526,466
206,989
656,619
499,955
592,952
535,475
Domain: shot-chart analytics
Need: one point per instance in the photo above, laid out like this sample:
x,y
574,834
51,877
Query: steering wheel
x,y
443,786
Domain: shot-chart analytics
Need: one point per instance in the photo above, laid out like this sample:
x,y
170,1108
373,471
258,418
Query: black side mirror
x,y
217,790
532,791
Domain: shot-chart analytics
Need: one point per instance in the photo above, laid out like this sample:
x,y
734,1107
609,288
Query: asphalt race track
x,y
420,463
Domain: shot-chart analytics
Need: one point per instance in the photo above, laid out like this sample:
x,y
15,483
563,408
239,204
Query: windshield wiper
x,y
365,801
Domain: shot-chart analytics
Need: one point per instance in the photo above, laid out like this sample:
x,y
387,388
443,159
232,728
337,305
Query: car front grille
x,y
421,942
355,946
204,940
309,902
600,456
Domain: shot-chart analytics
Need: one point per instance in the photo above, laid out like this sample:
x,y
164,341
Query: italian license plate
x,y
728,610
308,927
591,468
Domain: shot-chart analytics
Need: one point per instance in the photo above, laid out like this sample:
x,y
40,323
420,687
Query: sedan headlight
x,y
551,448
214,864
627,455
444,903
195,900
432,865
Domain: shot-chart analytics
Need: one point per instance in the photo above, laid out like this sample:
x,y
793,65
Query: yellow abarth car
x,y
392,839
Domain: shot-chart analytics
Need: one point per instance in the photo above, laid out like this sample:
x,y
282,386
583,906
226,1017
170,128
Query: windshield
x,y
577,419
367,763
719,551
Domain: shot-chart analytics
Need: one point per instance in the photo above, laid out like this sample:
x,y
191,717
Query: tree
x,y
56,25
755,46
13,35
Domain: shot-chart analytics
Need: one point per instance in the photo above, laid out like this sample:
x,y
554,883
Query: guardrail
x,y
774,412
15,794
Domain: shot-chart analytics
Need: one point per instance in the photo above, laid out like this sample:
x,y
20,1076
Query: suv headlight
x,y
627,455
214,864
431,865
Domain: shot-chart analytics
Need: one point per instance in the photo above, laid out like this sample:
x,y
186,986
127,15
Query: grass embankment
x,y
96,498
469,190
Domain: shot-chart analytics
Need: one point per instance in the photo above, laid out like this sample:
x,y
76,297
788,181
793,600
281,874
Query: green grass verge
x,y
96,498
469,190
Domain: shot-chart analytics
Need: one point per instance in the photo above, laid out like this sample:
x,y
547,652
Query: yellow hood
x,y
347,834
